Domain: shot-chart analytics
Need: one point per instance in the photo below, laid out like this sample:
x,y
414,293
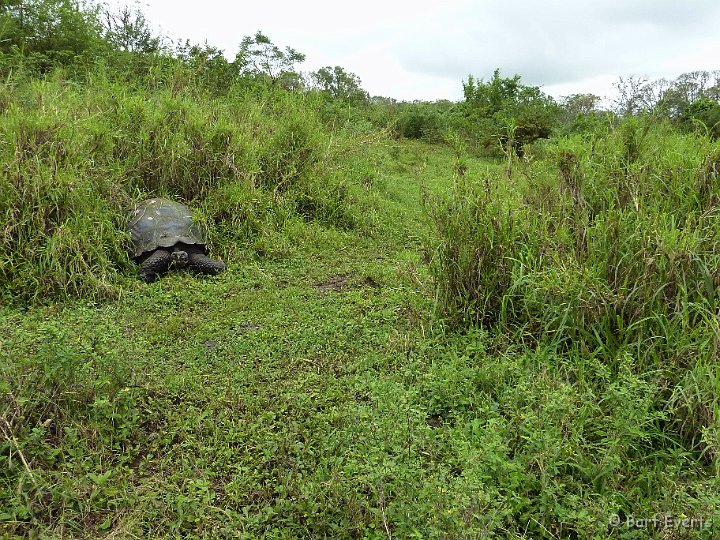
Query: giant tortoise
x,y
163,236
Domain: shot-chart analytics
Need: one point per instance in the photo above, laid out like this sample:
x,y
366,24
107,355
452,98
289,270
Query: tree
x,y
505,110
128,30
686,90
259,57
580,104
635,94
703,113
666,98
208,66
581,113
339,84
51,32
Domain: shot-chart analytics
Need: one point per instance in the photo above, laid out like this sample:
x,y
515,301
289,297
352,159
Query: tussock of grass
x,y
637,232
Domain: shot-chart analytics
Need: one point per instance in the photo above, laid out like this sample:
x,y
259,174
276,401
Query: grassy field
x,y
312,392
497,317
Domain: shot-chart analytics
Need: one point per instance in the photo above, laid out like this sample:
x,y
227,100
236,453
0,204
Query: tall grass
x,y
608,247
623,228
74,157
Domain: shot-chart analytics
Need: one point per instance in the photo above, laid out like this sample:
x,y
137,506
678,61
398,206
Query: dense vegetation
x,y
496,317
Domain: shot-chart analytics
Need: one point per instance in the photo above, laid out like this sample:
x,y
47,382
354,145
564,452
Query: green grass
x,y
409,341
312,393
75,156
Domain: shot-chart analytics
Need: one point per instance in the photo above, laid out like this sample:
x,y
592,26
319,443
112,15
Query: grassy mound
x,y
75,157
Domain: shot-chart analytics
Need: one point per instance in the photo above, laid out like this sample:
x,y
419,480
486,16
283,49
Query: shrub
x,y
703,114
421,121
507,112
49,33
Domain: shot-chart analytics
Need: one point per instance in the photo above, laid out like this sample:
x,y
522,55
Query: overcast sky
x,y
422,49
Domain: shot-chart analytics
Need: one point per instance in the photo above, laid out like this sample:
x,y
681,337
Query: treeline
x,y
38,36
496,116
503,114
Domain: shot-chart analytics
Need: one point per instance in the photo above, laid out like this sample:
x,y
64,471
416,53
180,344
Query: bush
x,y
50,33
421,121
703,114
504,114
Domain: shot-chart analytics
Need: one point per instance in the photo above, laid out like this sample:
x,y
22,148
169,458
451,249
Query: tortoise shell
x,y
162,223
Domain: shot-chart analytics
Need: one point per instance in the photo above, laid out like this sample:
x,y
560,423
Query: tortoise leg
x,y
156,264
204,264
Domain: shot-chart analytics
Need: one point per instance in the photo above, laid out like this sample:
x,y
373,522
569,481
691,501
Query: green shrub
x,y
49,33
503,114
703,115
421,121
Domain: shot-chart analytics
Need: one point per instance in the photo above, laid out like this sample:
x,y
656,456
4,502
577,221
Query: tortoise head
x,y
179,259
